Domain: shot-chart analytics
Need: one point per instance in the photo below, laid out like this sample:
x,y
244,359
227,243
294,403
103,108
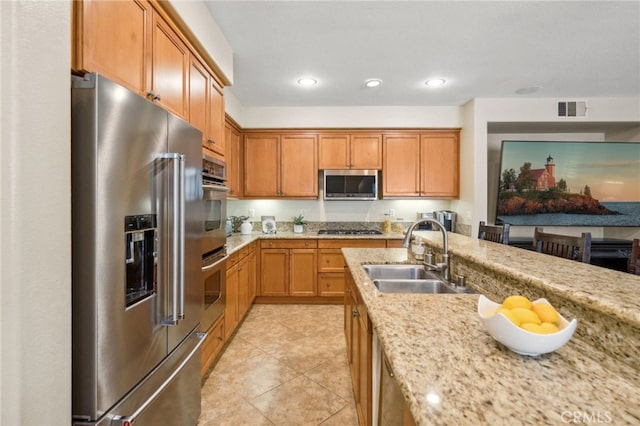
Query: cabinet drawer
x,y
351,243
232,260
288,244
330,260
243,252
331,284
394,243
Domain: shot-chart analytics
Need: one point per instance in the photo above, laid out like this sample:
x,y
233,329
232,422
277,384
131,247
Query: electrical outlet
x,y
252,212
392,212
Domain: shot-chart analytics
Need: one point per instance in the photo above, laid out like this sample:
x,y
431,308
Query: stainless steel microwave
x,y
350,184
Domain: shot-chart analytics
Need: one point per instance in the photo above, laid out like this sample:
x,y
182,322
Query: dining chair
x,y
634,259
495,233
568,247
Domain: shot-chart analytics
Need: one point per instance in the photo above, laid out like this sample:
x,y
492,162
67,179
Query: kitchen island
x,y
451,371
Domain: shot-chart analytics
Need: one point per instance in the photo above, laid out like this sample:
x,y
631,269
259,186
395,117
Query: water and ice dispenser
x,y
141,237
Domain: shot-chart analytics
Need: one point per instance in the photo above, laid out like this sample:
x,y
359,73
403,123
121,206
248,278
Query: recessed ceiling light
x,y
373,82
307,82
435,82
527,90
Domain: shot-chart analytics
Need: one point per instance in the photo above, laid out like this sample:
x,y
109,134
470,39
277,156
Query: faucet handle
x,y
460,281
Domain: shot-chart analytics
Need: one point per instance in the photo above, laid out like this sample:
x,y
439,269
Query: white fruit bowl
x,y
519,340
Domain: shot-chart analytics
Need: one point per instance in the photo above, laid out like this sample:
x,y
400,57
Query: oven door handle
x,y
214,264
215,187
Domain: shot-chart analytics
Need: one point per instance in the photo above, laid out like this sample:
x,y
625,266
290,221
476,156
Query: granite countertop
x,y
237,241
451,371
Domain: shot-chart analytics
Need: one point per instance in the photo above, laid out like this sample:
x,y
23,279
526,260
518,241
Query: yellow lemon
x,y
549,327
516,302
525,315
534,328
546,313
507,313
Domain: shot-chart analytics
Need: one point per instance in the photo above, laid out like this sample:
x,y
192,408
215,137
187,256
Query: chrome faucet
x,y
443,267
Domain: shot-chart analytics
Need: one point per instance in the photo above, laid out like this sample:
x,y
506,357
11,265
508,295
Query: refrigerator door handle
x,y
177,249
130,420
181,257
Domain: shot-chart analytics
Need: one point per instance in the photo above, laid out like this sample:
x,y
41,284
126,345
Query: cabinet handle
x,y
220,338
327,284
211,141
386,363
355,313
154,97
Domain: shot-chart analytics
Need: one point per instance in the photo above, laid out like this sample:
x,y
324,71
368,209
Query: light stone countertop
x,y
237,241
450,369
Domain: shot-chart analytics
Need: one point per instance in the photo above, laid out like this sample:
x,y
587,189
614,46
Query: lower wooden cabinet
x,y
331,263
358,334
240,287
288,268
212,346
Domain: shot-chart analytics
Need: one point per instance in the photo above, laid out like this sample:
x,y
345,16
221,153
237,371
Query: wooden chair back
x,y
574,248
634,259
495,233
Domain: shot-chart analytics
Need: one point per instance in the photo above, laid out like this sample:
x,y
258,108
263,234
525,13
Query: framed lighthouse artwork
x,y
569,183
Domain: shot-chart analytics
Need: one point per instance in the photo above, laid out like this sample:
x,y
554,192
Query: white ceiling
x,y
572,49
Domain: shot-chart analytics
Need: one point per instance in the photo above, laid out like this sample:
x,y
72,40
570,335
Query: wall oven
x,y
215,204
214,253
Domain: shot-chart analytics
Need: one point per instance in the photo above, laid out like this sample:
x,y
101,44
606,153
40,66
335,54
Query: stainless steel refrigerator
x,y
137,222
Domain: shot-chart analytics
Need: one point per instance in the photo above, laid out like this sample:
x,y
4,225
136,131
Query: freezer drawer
x,y
170,395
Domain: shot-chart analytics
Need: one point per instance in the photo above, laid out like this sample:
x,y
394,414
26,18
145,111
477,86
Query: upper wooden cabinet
x,y
206,107
280,166
215,132
401,165
421,165
170,69
440,157
233,159
114,38
198,95
138,44
350,151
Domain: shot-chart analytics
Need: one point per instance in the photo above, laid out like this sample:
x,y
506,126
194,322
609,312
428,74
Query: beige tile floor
x,y
286,365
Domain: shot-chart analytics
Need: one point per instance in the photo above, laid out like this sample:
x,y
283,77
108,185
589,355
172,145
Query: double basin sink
x,y
409,278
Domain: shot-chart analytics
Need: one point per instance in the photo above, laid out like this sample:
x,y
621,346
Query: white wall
x,y
353,117
35,243
199,20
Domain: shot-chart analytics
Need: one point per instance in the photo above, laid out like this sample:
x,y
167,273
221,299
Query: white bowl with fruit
x,y
526,327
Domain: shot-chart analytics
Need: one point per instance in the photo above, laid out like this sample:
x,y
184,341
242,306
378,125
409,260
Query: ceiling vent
x,y
572,109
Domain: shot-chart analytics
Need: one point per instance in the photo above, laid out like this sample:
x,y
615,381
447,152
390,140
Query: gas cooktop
x,y
349,232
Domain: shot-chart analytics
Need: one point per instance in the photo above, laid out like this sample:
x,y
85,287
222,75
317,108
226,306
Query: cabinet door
x,y
261,170
364,374
233,161
243,287
401,170
216,118
330,260
274,272
252,267
348,322
298,166
366,151
440,164
333,151
114,39
302,272
198,96
231,303
170,68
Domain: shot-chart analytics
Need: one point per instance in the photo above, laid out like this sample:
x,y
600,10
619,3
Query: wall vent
x,y
572,109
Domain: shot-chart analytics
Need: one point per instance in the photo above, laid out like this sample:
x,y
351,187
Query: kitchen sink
x,y
409,278
432,286
398,271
